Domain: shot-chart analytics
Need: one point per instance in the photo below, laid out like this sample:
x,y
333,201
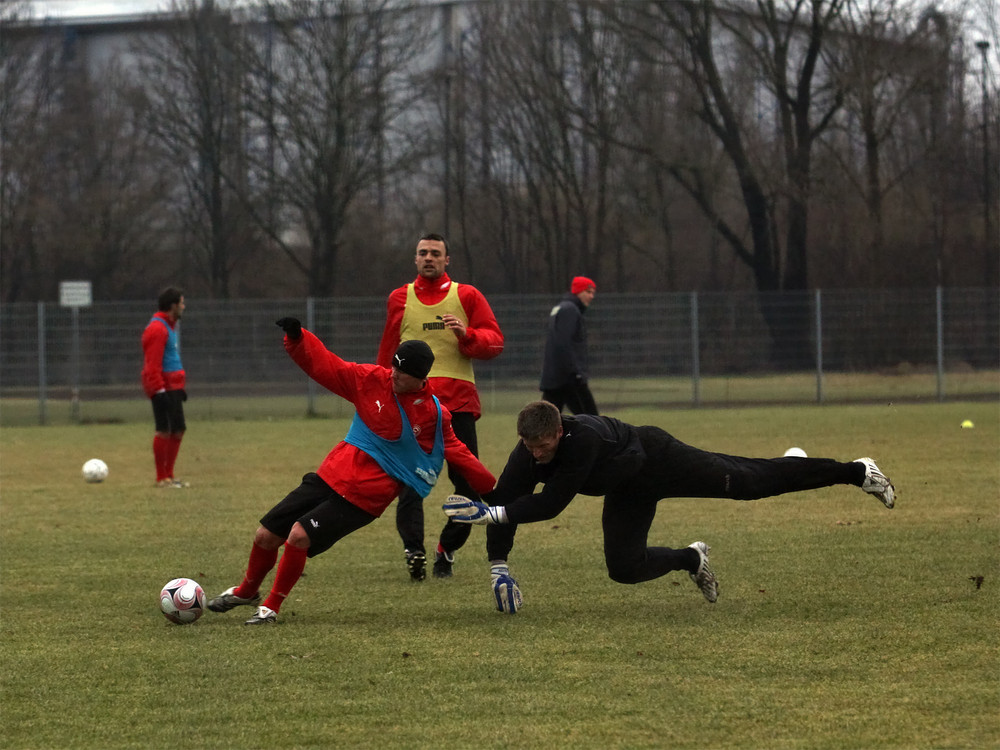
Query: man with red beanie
x,y
564,368
400,437
163,379
458,324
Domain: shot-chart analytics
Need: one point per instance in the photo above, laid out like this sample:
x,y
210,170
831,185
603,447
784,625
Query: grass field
x,y
839,624
229,401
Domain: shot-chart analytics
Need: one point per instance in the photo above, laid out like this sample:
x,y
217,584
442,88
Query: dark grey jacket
x,y
565,345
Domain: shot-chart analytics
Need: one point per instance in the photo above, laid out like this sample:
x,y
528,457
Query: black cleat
x,y
442,565
227,600
416,563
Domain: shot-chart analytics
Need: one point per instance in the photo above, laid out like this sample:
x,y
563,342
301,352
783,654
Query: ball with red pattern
x,y
182,601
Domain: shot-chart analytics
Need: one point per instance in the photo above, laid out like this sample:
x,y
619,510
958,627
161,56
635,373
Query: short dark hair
x,y
539,419
434,236
169,297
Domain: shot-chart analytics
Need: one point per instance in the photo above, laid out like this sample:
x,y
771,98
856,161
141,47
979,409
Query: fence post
x,y
939,301
310,383
695,353
42,375
75,349
819,346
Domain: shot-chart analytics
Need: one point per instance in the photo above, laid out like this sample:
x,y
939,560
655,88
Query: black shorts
x,y
324,514
168,411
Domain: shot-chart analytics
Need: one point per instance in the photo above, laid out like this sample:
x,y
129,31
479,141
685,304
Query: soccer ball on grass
x,y
95,470
182,601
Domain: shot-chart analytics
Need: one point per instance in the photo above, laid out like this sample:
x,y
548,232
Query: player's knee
x,y
298,536
267,539
623,571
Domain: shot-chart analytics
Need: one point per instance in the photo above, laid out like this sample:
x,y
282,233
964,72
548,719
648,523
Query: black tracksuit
x,y
565,372
633,468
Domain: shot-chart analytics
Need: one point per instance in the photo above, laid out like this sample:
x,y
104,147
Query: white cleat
x,y
876,483
704,578
263,616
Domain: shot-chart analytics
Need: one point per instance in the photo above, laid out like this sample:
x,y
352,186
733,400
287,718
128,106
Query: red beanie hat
x,y
580,284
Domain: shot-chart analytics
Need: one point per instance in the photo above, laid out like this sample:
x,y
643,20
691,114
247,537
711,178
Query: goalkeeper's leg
x,y
626,522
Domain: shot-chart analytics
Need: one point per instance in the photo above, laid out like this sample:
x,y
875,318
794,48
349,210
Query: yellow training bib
x,y
424,322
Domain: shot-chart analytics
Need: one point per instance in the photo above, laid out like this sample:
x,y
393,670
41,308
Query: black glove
x,y
291,326
184,395
579,379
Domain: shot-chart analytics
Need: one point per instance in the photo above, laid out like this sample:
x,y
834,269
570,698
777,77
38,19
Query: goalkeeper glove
x,y
464,510
505,590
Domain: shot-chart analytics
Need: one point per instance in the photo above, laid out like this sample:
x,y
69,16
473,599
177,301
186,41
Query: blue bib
x,y
402,458
172,351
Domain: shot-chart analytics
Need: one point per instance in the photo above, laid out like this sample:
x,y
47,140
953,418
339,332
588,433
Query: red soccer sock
x,y
260,564
160,456
293,562
173,446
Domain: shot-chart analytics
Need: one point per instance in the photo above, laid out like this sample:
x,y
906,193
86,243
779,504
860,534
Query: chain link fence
x,y
645,349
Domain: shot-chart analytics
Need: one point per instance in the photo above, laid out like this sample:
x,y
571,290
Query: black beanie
x,y
414,358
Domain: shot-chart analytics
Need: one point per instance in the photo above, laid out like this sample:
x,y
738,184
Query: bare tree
x,y
764,90
334,98
899,143
77,201
109,191
770,150
545,138
28,97
192,73
653,143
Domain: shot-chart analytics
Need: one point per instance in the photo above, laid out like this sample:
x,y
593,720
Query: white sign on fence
x,y
75,294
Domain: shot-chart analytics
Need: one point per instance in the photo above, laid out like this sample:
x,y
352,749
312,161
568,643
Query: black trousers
x,y
410,506
675,469
576,396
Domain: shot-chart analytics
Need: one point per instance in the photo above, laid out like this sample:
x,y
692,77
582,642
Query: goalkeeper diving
x,y
633,468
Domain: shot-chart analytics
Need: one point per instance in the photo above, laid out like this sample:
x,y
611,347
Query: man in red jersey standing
x,y
163,379
458,324
400,437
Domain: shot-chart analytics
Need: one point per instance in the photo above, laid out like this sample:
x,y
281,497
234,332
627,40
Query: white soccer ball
x,y
182,601
95,470
796,452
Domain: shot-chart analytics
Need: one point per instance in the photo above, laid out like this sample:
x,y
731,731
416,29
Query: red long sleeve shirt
x,y
154,341
483,339
347,469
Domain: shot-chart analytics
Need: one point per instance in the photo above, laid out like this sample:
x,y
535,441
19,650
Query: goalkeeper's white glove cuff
x,y
496,514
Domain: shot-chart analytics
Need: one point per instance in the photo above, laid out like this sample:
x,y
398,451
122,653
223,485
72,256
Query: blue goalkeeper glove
x,y
464,510
505,590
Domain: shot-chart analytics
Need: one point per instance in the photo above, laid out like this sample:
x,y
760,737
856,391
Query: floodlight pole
x,y
983,47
